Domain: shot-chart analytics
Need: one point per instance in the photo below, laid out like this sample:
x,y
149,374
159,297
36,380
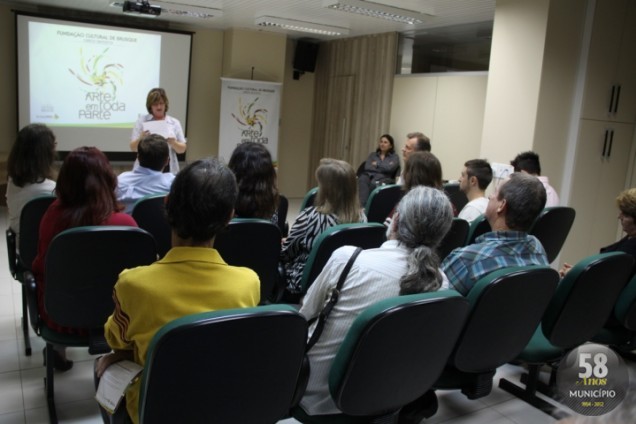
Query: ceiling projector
x,y
141,8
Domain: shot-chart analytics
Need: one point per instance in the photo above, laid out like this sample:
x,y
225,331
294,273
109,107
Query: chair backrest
x,y
283,207
585,298
255,244
309,198
478,227
365,235
457,197
150,214
231,366
30,218
552,227
625,309
395,350
81,267
382,201
506,307
456,237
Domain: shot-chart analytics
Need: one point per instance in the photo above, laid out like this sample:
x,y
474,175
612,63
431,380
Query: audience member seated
x,y
256,179
626,202
336,203
415,142
379,168
148,177
510,212
405,264
475,178
30,170
191,278
421,169
85,196
528,162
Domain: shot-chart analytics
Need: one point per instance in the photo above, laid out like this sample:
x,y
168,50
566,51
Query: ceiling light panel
x,y
300,26
382,11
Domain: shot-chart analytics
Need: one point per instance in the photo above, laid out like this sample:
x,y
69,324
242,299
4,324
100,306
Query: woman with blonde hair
x,y
336,203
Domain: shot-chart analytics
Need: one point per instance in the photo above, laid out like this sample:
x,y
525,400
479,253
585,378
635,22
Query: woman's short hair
x,y
32,155
391,141
256,178
626,202
86,188
337,190
422,168
156,95
424,216
201,200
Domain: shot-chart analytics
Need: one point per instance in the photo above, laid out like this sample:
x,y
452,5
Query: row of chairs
x,y
109,247
384,198
551,227
395,352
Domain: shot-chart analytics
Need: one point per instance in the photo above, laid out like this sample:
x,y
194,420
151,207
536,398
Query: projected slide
x,y
90,77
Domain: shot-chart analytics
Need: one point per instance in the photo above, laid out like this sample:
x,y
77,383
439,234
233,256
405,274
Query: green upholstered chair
x,y
365,235
506,307
391,355
456,237
309,198
583,301
20,261
229,366
478,227
457,197
620,330
382,201
255,244
552,227
150,214
81,267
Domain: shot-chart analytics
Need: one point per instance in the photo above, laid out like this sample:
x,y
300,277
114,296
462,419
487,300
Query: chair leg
x,y
25,323
48,382
529,395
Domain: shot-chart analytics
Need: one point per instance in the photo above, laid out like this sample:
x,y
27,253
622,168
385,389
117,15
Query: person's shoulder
x,y
121,218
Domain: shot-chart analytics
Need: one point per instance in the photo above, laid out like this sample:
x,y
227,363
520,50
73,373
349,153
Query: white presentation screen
x,y
89,82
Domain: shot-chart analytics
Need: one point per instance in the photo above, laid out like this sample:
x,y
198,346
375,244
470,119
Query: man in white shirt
x,y
148,177
475,178
528,162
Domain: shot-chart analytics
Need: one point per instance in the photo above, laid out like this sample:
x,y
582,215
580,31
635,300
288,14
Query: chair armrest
x,y
32,300
12,252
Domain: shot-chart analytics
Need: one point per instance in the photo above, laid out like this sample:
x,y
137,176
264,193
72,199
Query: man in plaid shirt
x,y
510,212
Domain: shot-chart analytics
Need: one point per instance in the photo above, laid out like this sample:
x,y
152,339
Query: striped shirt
x,y
491,251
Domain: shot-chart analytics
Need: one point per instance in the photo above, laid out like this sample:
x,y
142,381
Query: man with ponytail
x,y
405,264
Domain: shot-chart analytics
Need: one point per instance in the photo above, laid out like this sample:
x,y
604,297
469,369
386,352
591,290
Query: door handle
x,y
605,143
611,141
616,99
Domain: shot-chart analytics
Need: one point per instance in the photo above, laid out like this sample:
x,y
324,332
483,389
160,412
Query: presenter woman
x,y
157,106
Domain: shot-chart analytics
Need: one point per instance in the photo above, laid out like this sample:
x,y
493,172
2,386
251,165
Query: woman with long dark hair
x,y
255,175
30,169
85,196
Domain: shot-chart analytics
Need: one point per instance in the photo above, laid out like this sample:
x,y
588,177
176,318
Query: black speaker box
x,y
305,56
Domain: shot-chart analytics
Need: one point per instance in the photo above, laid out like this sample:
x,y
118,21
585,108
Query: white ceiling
x,y
241,13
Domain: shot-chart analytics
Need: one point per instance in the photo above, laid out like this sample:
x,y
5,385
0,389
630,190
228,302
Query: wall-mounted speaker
x,y
305,56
